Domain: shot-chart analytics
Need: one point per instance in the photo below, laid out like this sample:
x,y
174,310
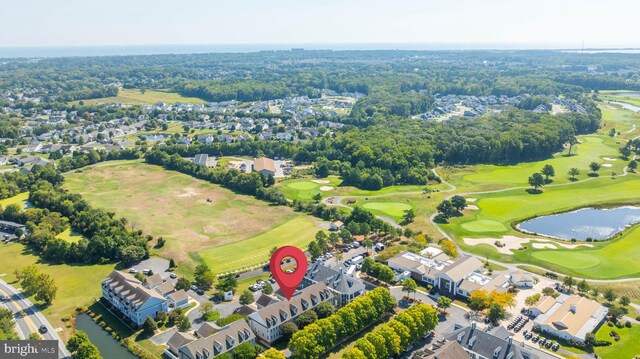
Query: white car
x,y
133,270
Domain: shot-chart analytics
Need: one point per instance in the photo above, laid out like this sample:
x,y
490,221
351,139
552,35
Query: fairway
x,y
484,226
135,97
176,207
306,188
22,199
392,209
302,185
296,232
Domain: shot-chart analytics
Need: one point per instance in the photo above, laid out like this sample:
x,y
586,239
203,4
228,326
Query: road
x,y
28,317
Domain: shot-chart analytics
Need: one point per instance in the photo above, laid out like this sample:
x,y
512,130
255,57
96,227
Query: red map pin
x,y
288,281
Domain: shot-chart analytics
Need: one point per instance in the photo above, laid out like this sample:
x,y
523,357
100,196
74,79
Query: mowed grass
x,y
296,232
149,97
389,209
174,206
78,285
627,347
306,188
22,199
69,236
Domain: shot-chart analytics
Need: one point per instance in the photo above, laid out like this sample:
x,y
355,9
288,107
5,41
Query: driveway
x,y
157,265
163,338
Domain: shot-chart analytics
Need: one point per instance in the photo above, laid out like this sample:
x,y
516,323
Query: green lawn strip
x,y
253,251
394,210
78,285
627,347
149,97
22,199
69,236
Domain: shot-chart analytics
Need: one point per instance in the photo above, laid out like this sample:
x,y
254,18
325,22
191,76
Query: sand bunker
x,y
472,207
544,245
512,243
326,188
320,181
471,199
609,159
607,165
188,192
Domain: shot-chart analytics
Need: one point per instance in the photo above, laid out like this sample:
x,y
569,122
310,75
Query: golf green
x,y
484,225
302,186
393,209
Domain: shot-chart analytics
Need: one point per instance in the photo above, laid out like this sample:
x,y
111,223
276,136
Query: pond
x,y
625,106
154,137
584,223
109,347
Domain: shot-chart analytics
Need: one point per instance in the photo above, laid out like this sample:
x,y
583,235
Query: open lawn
x,y
69,236
306,188
78,285
149,97
390,209
21,199
228,232
627,347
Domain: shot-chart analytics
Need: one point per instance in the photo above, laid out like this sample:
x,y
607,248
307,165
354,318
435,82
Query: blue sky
x,y
504,23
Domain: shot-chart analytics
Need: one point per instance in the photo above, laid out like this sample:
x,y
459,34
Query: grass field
x,y
77,285
627,347
621,96
306,188
230,232
69,236
135,97
22,199
390,209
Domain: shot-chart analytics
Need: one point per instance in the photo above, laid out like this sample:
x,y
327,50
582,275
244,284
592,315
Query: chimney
x,y
473,325
510,340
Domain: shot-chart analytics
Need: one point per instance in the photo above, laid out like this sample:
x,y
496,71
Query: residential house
x,y
265,166
206,138
345,287
267,321
201,159
129,297
217,343
572,317
446,350
284,136
523,279
494,344
336,226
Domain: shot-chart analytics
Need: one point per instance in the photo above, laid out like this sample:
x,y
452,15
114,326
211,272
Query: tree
x,y
78,338
548,291
314,249
227,283
47,289
479,300
367,243
609,295
536,180
408,216
162,316
625,152
595,167
624,301
183,323
317,197
583,286
458,202
86,350
445,208
267,288
205,307
34,336
245,350
496,312
548,171
204,277
573,172
183,283
409,285
149,326
449,248
306,318
172,263
443,303
247,297
590,340
572,142
325,309
633,165
532,299
273,353
568,281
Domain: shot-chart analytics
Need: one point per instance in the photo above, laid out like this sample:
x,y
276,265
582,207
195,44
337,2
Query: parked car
x,y
146,271
200,292
194,287
173,275
133,270
3,298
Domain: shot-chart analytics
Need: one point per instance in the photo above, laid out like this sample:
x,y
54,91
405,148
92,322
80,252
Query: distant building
x,y
201,159
345,287
264,165
216,343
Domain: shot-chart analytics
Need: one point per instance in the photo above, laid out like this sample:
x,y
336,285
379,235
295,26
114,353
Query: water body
x,y
155,137
628,94
584,223
109,348
626,106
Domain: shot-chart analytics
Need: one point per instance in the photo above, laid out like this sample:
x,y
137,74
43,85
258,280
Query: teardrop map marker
x,y
288,281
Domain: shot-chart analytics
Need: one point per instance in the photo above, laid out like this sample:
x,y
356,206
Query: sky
x,y
459,23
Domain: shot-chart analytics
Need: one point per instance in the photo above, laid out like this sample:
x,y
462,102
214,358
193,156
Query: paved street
x,y
28,317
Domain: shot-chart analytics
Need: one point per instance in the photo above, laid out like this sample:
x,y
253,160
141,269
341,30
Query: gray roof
x,y
179,339
206,329
265,300
225,340
449,350
154,280
463,267
201,159
336,280
487,344
129,290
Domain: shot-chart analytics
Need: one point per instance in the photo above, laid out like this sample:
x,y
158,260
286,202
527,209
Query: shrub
x,y
627,324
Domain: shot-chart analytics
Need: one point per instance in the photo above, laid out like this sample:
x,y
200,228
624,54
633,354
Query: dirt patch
x,y
188,192
326,188
472,207
321,181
